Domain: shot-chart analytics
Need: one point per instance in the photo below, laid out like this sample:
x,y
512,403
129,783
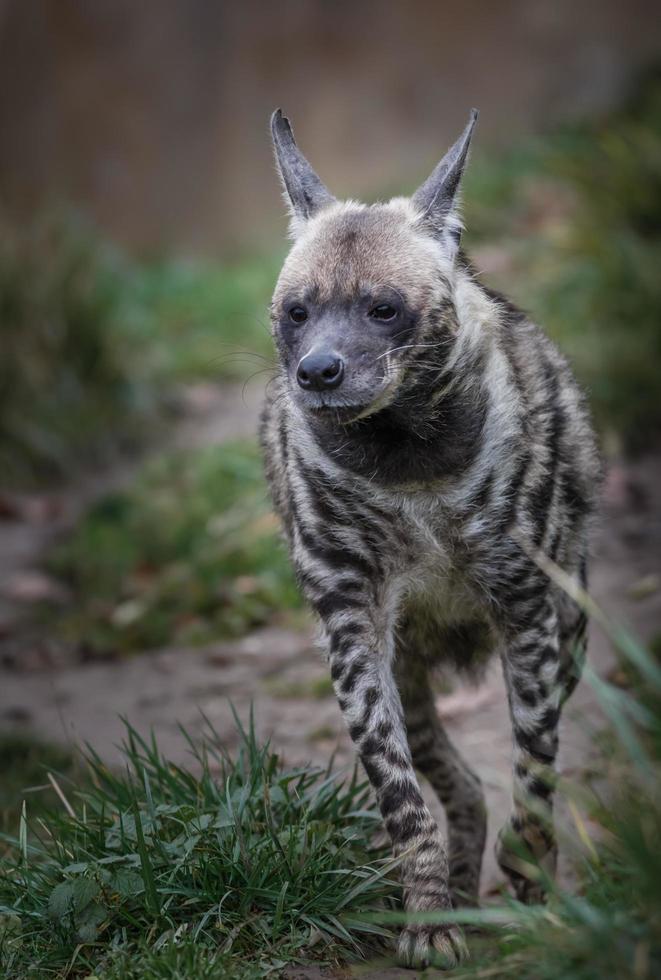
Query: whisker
x,y
239,355
227,343
249,379
265,325
406,347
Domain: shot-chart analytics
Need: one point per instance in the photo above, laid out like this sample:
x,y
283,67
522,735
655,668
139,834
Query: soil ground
x,y
279,671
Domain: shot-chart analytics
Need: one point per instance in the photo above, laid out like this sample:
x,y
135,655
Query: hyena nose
x,y
320,371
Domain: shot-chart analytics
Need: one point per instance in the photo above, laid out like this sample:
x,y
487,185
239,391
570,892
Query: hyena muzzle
x,y
424,443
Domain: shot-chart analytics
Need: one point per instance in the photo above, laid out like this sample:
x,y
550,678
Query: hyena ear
x,y
436,199
304,191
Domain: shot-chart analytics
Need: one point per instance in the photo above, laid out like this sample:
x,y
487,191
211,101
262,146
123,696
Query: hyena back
x,y
423,440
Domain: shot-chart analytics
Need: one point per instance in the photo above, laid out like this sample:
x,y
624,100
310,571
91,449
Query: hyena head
x,y
363,310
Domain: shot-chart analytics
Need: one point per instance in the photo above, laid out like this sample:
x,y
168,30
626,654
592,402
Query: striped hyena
x,y
423,439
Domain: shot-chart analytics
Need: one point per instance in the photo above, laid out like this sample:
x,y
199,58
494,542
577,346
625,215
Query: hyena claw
x,y
441,946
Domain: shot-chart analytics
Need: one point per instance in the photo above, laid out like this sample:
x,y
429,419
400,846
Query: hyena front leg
x,y
454,782
531,665
361,669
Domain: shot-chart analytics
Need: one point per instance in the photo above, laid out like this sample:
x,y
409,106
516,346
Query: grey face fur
x,y
360,284
424,444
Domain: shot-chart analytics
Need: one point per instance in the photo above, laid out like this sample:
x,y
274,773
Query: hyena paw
x,y
528,858
441,946
425,876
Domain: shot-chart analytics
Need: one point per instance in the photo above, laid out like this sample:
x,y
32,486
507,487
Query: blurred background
x,y
152,117
141,231
142,575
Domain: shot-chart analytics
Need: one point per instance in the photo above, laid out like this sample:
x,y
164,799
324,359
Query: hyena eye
x,y
384,311
298,315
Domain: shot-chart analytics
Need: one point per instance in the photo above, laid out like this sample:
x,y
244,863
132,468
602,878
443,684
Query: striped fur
x,y
410,505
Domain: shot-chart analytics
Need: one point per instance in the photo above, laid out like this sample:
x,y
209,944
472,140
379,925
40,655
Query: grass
x,y
232,868
611,925
94,344
188,554
24,764
318,689
66,385
240,867
206,320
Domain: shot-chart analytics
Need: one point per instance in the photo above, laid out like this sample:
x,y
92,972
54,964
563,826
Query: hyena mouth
x,y
344,414
340,414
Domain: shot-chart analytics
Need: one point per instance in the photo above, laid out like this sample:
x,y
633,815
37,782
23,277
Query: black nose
x,y
320,371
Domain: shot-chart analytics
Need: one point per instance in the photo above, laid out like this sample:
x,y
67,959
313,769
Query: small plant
x,y
188,554
24,763
228,870
205,320
67,387
93,343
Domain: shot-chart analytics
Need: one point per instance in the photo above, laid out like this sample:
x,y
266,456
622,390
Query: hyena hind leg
x,y
573,626
531,823
526,848
454,782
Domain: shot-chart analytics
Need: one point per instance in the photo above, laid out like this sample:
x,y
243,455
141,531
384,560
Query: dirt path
x,y
283,675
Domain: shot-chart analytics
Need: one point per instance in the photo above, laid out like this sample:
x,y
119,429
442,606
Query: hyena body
x,y
423,439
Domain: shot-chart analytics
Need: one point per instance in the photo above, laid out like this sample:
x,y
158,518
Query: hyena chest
x,y
441,612
442,620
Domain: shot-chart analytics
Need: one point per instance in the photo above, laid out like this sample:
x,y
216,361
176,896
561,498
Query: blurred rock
x,y
31,585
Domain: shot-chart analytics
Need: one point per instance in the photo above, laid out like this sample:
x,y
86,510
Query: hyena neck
x,y
434,428
392,452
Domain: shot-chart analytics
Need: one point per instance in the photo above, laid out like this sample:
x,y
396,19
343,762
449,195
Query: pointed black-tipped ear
x,y
304,190
435,200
